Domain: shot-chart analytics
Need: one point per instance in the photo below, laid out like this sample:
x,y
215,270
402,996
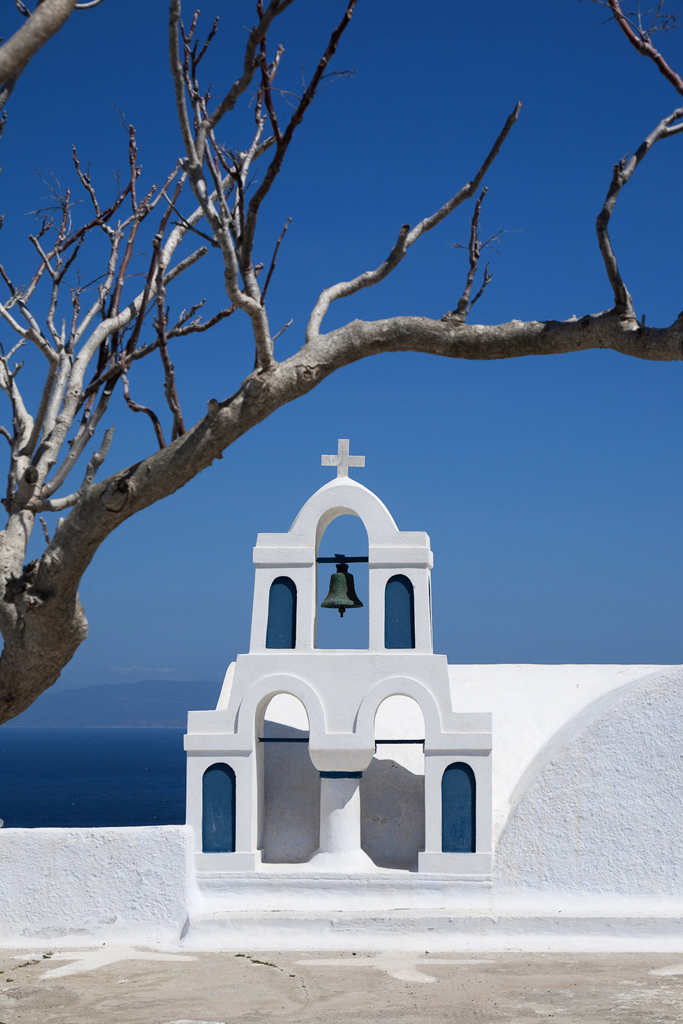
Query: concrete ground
x,y
135,985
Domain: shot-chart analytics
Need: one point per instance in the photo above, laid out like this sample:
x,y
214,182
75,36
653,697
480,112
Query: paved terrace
x,y
135,985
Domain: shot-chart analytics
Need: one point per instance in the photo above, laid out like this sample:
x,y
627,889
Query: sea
x,y
77,778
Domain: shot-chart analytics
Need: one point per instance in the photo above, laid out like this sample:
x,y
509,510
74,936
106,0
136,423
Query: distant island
x,y
152,704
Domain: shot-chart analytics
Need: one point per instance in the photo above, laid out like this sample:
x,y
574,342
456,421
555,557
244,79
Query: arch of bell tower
x,y
292,555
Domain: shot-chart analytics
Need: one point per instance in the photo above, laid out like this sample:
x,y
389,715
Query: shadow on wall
x,y
392,806
392,814
291,826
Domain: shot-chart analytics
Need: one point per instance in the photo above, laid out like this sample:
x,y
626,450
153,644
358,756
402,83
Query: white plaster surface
x,y
588,802
294,554
531,706
559,924
392,806
391,790
537,709
400,718
70,882
392,814
340,848
605,815
350,699
291,826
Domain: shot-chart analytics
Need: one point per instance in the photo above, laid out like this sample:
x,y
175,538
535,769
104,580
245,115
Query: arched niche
x,y
400,718
344,533
392,787
281,628
291,785
218,809
458,809
399,613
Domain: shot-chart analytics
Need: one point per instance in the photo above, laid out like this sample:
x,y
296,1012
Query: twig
x,y
135,334
136,407
181,330
191,227
623,303
642,44
283,329
98,457
78,444
273,262
161,323
475,248
297,117
406,238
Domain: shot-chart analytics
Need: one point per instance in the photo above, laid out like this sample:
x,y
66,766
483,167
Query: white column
x,y
339,815
340,848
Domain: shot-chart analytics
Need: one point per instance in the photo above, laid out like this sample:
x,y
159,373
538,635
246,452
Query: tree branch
x,y
46,20
623,302
136,407
161,324
79,443
273,262
283,143
405,239
643,45
98,457
474,248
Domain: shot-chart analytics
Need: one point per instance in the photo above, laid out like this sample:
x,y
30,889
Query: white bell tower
x,y
341,691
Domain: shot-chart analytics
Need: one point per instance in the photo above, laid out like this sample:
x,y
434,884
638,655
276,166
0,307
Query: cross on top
x,y
342,460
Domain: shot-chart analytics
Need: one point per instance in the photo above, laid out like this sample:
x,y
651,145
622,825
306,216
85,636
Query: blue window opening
x,y
399,613
281,631
218,809
458,809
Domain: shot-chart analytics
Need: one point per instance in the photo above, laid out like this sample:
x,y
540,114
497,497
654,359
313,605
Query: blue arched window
x,y
458,809
281,632
218,809
399,613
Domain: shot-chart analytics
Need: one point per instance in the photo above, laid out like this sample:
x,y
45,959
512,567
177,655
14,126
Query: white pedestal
x,y
340,848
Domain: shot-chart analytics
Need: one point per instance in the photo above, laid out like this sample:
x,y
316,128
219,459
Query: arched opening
x,y
392,788
345,535
218,809
458,809
281,631
291,785
399,613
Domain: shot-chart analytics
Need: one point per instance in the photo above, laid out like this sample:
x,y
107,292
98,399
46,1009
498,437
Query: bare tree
x,y
102,340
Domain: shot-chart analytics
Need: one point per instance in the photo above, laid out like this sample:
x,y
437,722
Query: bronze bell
x,y
342,594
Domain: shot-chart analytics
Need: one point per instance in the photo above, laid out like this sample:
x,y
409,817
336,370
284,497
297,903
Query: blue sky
x,y
551,487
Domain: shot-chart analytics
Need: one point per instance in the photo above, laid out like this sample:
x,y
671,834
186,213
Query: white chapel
x,y
384,778
380,798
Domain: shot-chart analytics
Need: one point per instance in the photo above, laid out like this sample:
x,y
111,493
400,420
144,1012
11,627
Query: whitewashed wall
x,y
605,813
392,788
392,809
109,883
588,789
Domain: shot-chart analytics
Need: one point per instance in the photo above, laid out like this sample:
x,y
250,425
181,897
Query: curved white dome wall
x,y
605,815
